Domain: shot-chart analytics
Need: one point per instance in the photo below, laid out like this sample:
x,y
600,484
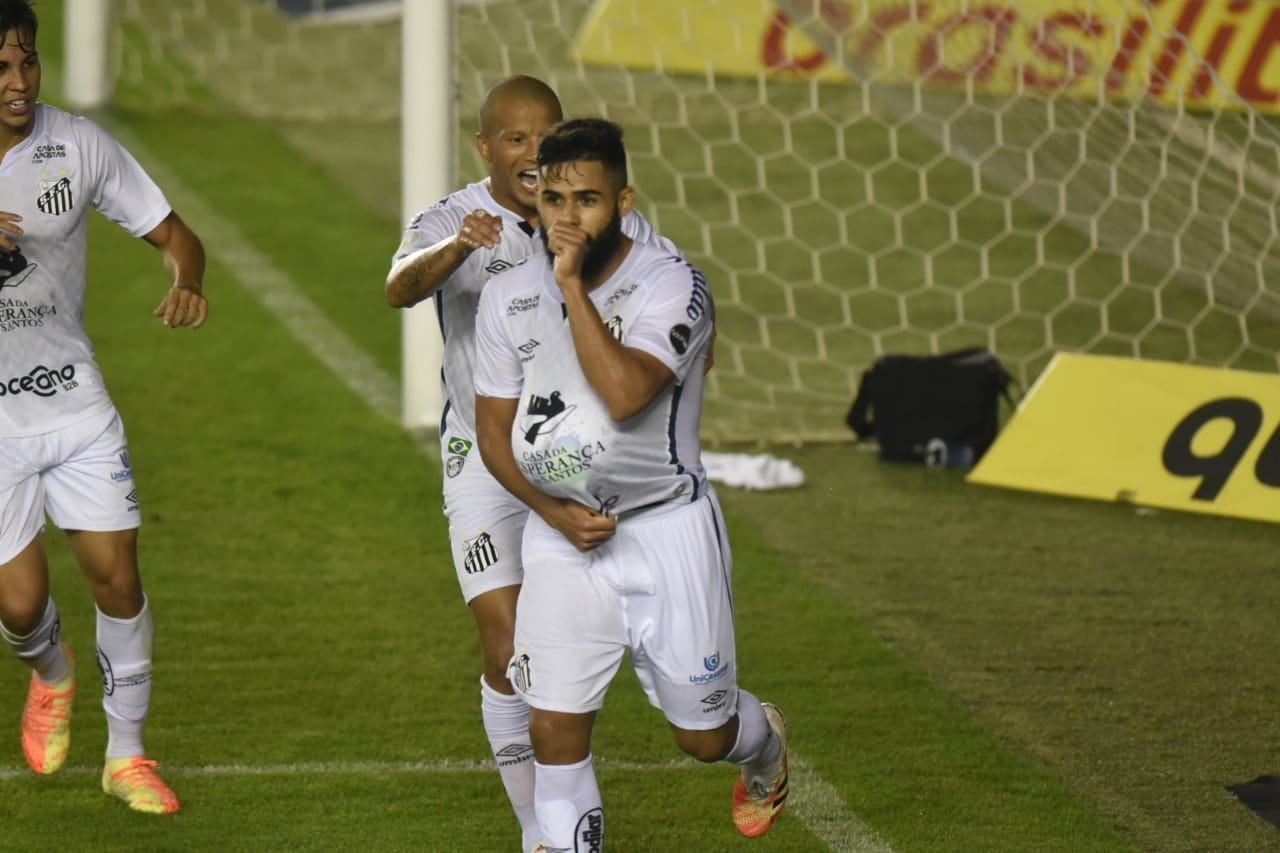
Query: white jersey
x,y
564,438
457,297
48,378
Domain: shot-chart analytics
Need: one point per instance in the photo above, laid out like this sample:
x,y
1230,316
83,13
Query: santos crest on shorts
x,y
48,378
456,300
564,439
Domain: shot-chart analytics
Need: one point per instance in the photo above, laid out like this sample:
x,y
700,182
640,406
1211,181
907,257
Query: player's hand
x,y
569,244
581,525
479,230
183,305
10,230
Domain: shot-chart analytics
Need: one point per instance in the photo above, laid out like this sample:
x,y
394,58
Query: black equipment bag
x,y
942,410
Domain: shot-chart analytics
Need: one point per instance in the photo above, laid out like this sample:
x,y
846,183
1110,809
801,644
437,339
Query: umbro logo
x,y
714,698
514,753
498,266
527,348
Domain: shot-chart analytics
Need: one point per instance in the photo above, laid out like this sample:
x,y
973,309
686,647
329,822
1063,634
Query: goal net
x,y
855,178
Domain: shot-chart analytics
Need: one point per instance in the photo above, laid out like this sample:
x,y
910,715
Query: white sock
x,y
757,747
506,722
570,812
41,649
124,656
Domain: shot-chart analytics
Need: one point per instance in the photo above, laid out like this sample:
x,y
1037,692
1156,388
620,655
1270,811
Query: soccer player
x,y
449,252
62,444
596,430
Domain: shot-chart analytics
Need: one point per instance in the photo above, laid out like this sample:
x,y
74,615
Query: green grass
x,y
969,669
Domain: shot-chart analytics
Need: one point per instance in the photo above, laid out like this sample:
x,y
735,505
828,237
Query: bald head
x,y
518,90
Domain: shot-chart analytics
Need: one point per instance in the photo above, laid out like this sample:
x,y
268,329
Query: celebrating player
x,y
62,443
449,252
596,429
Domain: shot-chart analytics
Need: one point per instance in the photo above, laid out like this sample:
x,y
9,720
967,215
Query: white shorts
x,y
486,522
79,474
661,588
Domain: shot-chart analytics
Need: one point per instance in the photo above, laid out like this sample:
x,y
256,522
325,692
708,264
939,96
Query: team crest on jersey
x,y
14,268
453,466
544,415
480,554
55,195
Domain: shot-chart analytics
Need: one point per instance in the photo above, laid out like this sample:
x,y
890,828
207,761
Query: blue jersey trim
x,y
724,565
671,439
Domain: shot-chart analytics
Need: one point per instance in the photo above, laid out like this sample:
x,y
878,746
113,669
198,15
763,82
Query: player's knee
x,y
497,656
496,677
707,747
118,593
21,617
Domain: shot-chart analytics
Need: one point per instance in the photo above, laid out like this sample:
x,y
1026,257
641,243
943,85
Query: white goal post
x,y
427,97
87,37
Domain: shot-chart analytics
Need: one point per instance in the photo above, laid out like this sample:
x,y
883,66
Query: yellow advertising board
x,y
1153,433
1207,53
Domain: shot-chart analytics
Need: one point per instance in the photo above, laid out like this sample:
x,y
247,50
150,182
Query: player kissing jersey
x,y
48,377
457,299
564,439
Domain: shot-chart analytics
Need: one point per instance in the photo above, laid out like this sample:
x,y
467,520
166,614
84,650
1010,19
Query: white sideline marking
x,y
818,805
821,808
445,767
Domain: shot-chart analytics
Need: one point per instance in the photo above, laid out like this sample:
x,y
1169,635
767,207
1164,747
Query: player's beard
x,y
600,249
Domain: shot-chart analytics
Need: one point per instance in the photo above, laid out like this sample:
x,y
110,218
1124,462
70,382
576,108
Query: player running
x,y
62,443
449,253
596,430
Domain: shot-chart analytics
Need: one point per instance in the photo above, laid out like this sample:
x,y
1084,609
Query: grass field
x,y
964,669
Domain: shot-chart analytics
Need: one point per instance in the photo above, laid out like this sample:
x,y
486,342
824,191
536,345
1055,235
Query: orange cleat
x,y
134,780
758,800
46,720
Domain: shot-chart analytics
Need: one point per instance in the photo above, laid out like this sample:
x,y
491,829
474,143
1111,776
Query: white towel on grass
x,y
752,471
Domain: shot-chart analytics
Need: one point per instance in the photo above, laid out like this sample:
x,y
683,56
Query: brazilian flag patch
x,y
460,446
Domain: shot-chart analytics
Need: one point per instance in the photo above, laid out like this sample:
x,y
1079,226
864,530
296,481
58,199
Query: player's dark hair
x,y
18,16
593,139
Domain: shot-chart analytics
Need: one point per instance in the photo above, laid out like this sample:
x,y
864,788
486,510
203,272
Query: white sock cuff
x,y
563,768
490,698
136,621
49,616
753,729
